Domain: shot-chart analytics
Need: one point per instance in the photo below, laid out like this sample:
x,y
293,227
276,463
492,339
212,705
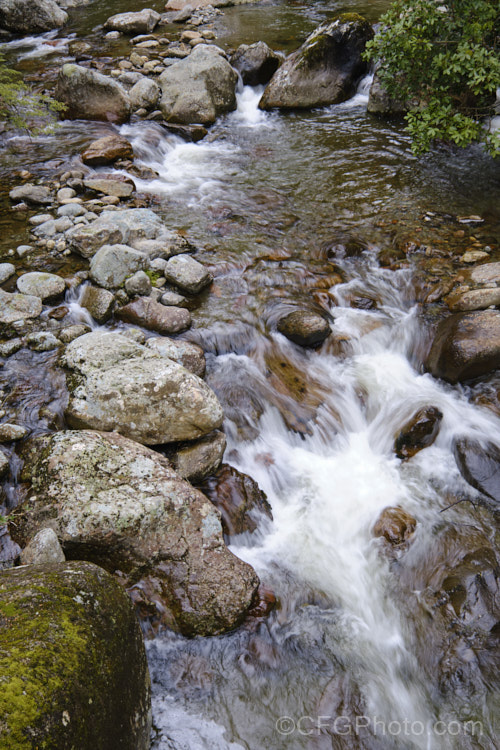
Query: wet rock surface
x,y
63,631
419,432
395,525
238,498
325,70
107,150
256,63
304,328
466,346
115,502
116,384
479,464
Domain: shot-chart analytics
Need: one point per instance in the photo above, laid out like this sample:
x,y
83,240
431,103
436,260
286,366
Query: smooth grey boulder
x,y
111,184
89,95
14,307
39,195
145,93
64,631
122,505
31,16
140,22
187,274
6,271
43,548
150,314
112,264
466,345
138,284
99,302
118,384
325,69
128,227
40,284
199,88
256,63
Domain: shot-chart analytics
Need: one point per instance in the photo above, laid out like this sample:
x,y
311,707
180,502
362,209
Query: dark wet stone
x,y
304,327
395,525
479,464
256,63
238,498
154,316
419,432
107,150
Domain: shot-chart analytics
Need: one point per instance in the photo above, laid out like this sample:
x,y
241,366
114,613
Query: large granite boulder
x,y
117,384
140,22
256,63
89,95
466,345
121,505
130,226
325,69
199,88
64,681
31,16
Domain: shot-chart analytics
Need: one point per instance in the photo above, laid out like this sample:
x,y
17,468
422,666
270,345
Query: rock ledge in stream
x,y
466,346
89,95
325,69
64,630
121,505
117,384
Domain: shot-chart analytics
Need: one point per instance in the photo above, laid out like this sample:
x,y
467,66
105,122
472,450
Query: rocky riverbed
x,y
206,340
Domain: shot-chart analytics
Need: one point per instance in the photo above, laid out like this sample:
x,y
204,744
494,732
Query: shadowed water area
x,y
326,210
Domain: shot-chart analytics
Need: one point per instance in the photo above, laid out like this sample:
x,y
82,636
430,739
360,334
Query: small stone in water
x,y
10,347
6,271
10,432
474,256
42,341
173,299
23,250
65,194
112,35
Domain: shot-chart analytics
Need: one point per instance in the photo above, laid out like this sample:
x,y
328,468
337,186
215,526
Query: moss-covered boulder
x,y
73,669
122,506
325,69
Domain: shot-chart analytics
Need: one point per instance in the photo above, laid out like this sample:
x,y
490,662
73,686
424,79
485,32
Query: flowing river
x,y
295,210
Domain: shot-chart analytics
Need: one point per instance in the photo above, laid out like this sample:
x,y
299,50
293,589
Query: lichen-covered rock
x,y
419,432
256,63
325,69
304,327
121,505
111,184
31,16
466,345
145,93
35,194
99,302
14,307
89,95
64,681
118,384
43,548
191,356
107,150
140,22
199,88
187,274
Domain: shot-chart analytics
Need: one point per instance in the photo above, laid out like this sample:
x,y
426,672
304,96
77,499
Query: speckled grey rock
x,y
43,548
116,185
117,384
40,284
112,264
140,22
199,88
6,271
99,302
190,356
146,312
187,274
71,210
198,460
69,334
14,307
145,93
31,16
124,506
89,95
4,464
256,63
139,283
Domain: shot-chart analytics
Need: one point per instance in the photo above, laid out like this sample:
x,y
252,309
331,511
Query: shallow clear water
x,y
277,204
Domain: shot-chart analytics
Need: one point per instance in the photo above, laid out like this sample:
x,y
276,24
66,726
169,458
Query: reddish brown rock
x,y
419,432
154,316
107,150
395,525
238,497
